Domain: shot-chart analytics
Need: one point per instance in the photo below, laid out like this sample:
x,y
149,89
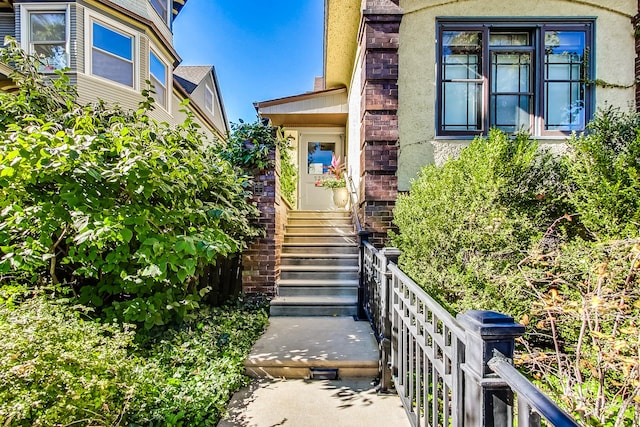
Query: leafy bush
x,y
124,210
583,341
251,146
605,173
471,220
59,367
553,242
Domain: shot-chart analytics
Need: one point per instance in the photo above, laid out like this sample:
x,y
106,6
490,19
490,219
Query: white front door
x,y
316,150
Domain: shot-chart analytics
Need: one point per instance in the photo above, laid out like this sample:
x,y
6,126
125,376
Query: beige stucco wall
x,y
354,124
614,63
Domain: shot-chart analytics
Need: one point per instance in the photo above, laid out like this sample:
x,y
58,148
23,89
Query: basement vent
x,y
258,188
324,373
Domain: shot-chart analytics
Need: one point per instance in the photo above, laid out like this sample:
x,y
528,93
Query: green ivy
x,y
251,146
59,367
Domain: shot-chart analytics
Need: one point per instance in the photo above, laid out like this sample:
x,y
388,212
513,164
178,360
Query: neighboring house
x,y
112,48
200,85
422,78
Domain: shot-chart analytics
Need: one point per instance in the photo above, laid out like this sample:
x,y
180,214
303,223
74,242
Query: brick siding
x,y
261,260
379,39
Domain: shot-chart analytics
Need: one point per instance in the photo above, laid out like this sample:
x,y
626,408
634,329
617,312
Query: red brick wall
x,y
261,260
379,40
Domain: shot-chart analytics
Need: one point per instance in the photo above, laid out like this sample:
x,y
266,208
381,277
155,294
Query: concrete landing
x,y
296,403
292,345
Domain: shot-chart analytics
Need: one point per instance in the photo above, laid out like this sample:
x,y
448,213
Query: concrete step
x,y
318,230
291,346
316,222
319,273
314,306
322,248
319,214
325,238
319,291
318,259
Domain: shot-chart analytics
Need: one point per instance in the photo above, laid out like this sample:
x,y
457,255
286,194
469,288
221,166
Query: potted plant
x,y
335,180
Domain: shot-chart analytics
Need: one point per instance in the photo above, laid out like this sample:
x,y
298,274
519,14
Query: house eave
x,y
320,108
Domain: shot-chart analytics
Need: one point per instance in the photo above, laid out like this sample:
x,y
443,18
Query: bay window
x,y
112,54
522,76
158,77
47,38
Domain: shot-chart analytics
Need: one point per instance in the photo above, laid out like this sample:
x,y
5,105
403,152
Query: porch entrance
x,y
316,150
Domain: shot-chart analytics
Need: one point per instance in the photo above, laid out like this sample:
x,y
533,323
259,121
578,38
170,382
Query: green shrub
x,y
552,242
59,367
466,223
125,211
604,170
583,339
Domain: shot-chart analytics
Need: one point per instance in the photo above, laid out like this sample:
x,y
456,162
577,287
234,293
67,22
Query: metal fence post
x,y
389,255
363,236
488,401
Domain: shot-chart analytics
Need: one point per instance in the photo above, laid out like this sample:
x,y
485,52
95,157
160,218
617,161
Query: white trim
x,y
168,77
25,24
90,18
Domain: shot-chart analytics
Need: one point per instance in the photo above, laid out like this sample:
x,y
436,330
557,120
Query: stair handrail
x,y
353,194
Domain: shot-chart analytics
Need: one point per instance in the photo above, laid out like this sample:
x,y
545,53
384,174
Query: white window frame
x,y
167,77
168,10
208,90
25,23
90,19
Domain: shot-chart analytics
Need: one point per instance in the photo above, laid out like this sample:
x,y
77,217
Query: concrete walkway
x,y
283,393
314,403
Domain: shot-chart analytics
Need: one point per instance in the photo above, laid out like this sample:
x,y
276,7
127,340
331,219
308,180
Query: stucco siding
x,y
613,55
353,125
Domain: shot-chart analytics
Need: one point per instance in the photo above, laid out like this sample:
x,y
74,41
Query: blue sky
x,y
261,49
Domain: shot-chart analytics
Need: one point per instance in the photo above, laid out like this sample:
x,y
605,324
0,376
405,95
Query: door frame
x,y
322,197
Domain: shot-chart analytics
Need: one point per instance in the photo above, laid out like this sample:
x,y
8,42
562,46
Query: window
x,y
158,77
112,54
516,77
208,98
161,7
47,38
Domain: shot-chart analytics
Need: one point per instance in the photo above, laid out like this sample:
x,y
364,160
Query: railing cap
x,y
490,324
390,252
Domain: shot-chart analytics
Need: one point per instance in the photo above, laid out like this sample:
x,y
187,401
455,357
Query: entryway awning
x,y
327,107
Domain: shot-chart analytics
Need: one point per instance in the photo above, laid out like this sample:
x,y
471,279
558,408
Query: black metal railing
x,y
448,371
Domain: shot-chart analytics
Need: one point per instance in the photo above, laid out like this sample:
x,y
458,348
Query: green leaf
x,y
7,171
126,235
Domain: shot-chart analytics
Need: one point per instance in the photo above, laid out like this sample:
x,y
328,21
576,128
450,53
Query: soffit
x,y
325,107
342,20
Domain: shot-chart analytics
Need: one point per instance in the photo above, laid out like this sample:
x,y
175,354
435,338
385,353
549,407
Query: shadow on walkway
x,y
351,402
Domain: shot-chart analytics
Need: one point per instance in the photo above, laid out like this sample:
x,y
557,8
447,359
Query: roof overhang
x,y
177,6
321,108
341,24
